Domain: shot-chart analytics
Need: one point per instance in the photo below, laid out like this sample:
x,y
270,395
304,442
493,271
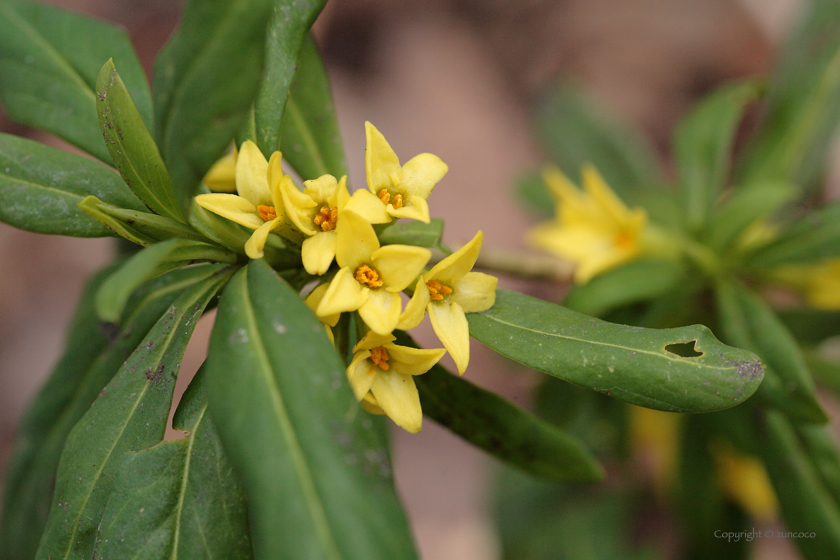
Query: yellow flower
x,y
371,277
593,228
745,480
402,190
448,292
381,378
222,176
259,204
819,283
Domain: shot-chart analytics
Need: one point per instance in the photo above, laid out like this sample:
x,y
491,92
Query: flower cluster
x,y
339,244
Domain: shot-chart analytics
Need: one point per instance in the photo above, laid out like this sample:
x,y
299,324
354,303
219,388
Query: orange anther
x,y
379,356
367,276
326,218
398,201
267,213
437,290
384,196
624,239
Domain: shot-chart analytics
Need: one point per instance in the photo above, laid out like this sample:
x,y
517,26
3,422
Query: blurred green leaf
x,y
746,320
130,414
636,281
287,29
307,455
533,193
41,186
820,446
703,148
166,500
49,60
813,237
810,326
206,78
412,233
310,139
131,146
641,366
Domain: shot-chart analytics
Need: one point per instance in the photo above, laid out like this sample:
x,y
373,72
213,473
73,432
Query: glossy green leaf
x,y
95,351
132,148
411,232
205,81
503,430
41,186
633,282
287,30
637,365
310,139
130,414
49,60
746,320
179,499
813,237
317,476
703,148
150,263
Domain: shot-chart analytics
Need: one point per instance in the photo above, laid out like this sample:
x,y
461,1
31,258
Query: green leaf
x,y
132,148
41,186
286,32
167,500
503,430
574,130
703,147
814,237
810,326
534,196
412,233
49,60
627,284
746,320
637,365
820,446
130,414
150,263
206,78
317,475
310,139
94,352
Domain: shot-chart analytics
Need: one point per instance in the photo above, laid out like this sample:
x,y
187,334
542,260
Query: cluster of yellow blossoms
x,y
332,226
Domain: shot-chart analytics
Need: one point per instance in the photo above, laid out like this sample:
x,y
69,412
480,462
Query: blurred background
x,y
455,78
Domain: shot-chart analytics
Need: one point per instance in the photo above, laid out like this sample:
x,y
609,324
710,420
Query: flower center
x,y
624,239
379,356
326,218
267,213
437,290
385,197
366,276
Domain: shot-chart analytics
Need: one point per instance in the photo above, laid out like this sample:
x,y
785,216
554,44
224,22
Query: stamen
x,y
326,218
624,239
398,201
437,290
384,196
367,276
379,356
267,213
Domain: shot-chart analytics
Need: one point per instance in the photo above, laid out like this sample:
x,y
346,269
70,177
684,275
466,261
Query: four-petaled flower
x,y
403,190
381,378
447,292
593,228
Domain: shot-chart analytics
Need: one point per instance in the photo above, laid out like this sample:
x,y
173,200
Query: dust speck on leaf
x,y
749,369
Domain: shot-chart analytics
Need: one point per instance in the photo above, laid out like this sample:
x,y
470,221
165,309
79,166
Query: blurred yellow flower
x,y
593,228
222,176
819,283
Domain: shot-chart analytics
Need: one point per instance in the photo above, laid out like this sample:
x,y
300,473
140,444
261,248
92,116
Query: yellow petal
x,y
455,266
416,308
256,243
397,395
603,194
298,206
413,361
252,175
342,195
474,292
452,329
322,189
421,173
361,373
222,175
381,311
560,186
372,340
399,265
343,294
380,160
416,209
318,252
314,299
367,206
355,242
232,207
369,404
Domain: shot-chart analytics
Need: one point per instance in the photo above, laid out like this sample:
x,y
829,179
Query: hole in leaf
x,y
683,349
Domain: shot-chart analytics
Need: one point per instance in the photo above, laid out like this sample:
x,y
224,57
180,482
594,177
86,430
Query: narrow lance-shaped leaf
x,y
130,414
49,60
814,237
412,233
820,445
74,384
132,148
206,79
641,366
40,188
310,140
167,500
316,472
287,29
